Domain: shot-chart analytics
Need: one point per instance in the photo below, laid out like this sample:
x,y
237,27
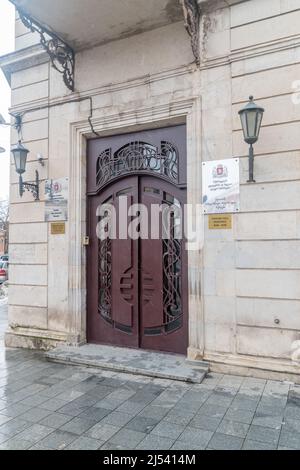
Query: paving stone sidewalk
x,y
53,406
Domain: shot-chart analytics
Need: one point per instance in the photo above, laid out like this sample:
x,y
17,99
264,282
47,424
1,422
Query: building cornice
x,y
23,59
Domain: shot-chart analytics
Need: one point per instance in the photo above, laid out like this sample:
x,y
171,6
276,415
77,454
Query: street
x,y
53,406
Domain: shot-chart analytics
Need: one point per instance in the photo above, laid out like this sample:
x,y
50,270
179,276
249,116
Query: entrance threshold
x,y
132,361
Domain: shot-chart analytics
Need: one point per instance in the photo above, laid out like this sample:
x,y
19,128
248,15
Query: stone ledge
x,y
29,338
139,362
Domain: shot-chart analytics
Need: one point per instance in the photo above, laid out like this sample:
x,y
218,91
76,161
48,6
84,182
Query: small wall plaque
x,y
58,228
220,222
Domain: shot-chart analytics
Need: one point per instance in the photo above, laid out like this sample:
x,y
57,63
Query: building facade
x,y
153,76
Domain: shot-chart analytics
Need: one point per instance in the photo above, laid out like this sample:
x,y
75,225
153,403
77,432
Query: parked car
x,y
3,258
3,271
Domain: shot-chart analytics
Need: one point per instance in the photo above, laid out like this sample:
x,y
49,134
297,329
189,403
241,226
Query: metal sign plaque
x,y
221,186
58,228
220,222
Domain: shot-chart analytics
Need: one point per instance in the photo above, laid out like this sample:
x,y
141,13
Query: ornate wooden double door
x,y
137,273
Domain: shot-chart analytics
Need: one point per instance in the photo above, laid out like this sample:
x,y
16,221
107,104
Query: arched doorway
x,y
137,286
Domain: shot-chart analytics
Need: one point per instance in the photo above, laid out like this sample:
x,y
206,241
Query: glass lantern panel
x,y
259,119
244,124
252,124
20,161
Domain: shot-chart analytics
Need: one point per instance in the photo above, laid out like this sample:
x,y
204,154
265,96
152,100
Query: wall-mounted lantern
x,y
20,157
251,118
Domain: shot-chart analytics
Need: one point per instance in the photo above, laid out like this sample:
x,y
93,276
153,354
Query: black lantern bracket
x,y
62,56
33,187
192,14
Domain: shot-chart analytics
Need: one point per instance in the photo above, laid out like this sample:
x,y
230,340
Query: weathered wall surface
x,y
251,274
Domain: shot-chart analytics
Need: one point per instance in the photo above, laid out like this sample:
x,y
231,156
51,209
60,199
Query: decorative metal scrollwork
x,y
138,157
172,275
192,13
105,295
61,54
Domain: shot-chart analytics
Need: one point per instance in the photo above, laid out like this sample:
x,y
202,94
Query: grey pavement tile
x,y
169,430
152,442
225,442
273,422
15,444
15,410
243,403
103,432
55,420
241,416
272,402
58,440
143,397
233,428
78,425
4,419
85,400
291,425
213,411
220,399
33,400
113,446
249,444
180,445
205,422
13,427
263,434
72,409
142,424
117,418
84,443
99,392
285,448
69,395
290,439
3,438
109,403
53,404
179,417
131,407
292,411
127,438
94,414
34,415
197,395
34,433
197,437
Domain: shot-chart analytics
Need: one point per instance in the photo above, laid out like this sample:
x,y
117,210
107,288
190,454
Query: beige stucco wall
x,y
250,275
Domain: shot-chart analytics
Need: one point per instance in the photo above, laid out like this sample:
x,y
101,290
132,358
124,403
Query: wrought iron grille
x,y
138,157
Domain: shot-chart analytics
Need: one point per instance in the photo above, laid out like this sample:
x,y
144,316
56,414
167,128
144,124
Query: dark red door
x,y
137,286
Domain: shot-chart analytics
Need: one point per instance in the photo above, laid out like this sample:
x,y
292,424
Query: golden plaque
x,y
58,228
220,222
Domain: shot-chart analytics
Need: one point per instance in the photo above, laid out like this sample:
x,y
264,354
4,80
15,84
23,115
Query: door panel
x,y
163,306
137,289
112,275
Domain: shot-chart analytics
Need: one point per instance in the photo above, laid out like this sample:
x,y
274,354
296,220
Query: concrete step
x,y
132,361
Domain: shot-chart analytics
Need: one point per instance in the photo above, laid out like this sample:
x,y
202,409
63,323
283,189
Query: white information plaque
x,y
56,197
221,186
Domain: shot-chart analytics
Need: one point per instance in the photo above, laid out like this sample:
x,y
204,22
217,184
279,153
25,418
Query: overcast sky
x,y
6,46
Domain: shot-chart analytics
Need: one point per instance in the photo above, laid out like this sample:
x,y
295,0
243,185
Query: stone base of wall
x,y
264,368
38,339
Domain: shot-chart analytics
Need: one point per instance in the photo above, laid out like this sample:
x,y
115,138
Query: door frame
x,y
187,111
